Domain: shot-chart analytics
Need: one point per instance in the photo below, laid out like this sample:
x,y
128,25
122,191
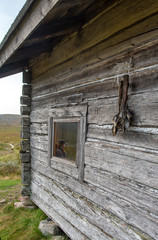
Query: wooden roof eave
x,y
37,28
27,21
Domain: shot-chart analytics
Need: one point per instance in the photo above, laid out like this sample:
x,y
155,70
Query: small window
x,y
66,138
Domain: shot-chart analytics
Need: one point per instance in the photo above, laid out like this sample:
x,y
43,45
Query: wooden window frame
x,y
68,114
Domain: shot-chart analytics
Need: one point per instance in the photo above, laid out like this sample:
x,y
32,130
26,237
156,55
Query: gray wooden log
x,y
105,199
26,90
26,190
74,218
39,142
26,177
27,77
65,167
39,116
38,154
25,145
25,110
67,227
25,132
25,100
90,211
39,128
130,138
26,167
25,157
25,121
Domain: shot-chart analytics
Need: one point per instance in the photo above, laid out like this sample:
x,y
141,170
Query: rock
x,y
19,205
22,205
58,238
2,201
26,201
49,228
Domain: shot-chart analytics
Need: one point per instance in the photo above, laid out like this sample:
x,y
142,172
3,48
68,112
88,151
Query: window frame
x,y
68,114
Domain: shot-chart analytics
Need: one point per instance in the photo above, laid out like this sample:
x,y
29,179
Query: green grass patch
x,y
10,164
3,146
21,224
18,224
7,183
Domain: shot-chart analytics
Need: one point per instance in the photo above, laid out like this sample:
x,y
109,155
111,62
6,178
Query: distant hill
x,y
10,120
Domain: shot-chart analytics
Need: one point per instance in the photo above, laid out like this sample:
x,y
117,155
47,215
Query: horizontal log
x,y
39,116
133,139
25,145
26,190
105,199
123,165
27,77
100,75
142,106
25,157
26,167
25,132
25,100
25,110
26,90
66,226
40,155
65,167
26,177
39,128
142,83
89,210
131,23
67,112
69,214
25,121
39,142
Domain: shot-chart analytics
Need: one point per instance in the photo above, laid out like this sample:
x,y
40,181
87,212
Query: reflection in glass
x,y
65,140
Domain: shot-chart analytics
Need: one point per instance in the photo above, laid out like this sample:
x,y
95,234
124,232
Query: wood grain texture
x,y
25,132
26,27
26,90
105,199
25,157
27,77
66,226
98,217
25,121
129,24
119,194
25,110
25,145
119,162
25,100
145,140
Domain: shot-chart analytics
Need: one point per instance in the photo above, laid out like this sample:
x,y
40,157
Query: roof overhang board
x,y
38,28
26,27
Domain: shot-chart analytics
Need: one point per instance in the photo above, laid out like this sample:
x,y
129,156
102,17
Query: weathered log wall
x,y
119,196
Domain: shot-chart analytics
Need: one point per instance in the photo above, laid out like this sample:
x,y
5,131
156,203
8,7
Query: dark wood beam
x,y
13,68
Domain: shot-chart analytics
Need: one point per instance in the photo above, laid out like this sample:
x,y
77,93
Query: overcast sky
x,y
10,87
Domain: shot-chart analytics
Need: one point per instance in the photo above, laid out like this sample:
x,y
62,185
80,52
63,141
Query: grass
x,y
9,134
7,183
21,224
9,158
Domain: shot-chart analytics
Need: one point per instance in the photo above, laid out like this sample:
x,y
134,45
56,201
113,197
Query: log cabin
x,y
89,107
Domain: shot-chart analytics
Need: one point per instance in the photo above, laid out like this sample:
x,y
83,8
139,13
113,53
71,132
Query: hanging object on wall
x,y
122,119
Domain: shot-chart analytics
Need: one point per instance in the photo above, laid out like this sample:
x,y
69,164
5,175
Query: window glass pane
x,y
65,140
